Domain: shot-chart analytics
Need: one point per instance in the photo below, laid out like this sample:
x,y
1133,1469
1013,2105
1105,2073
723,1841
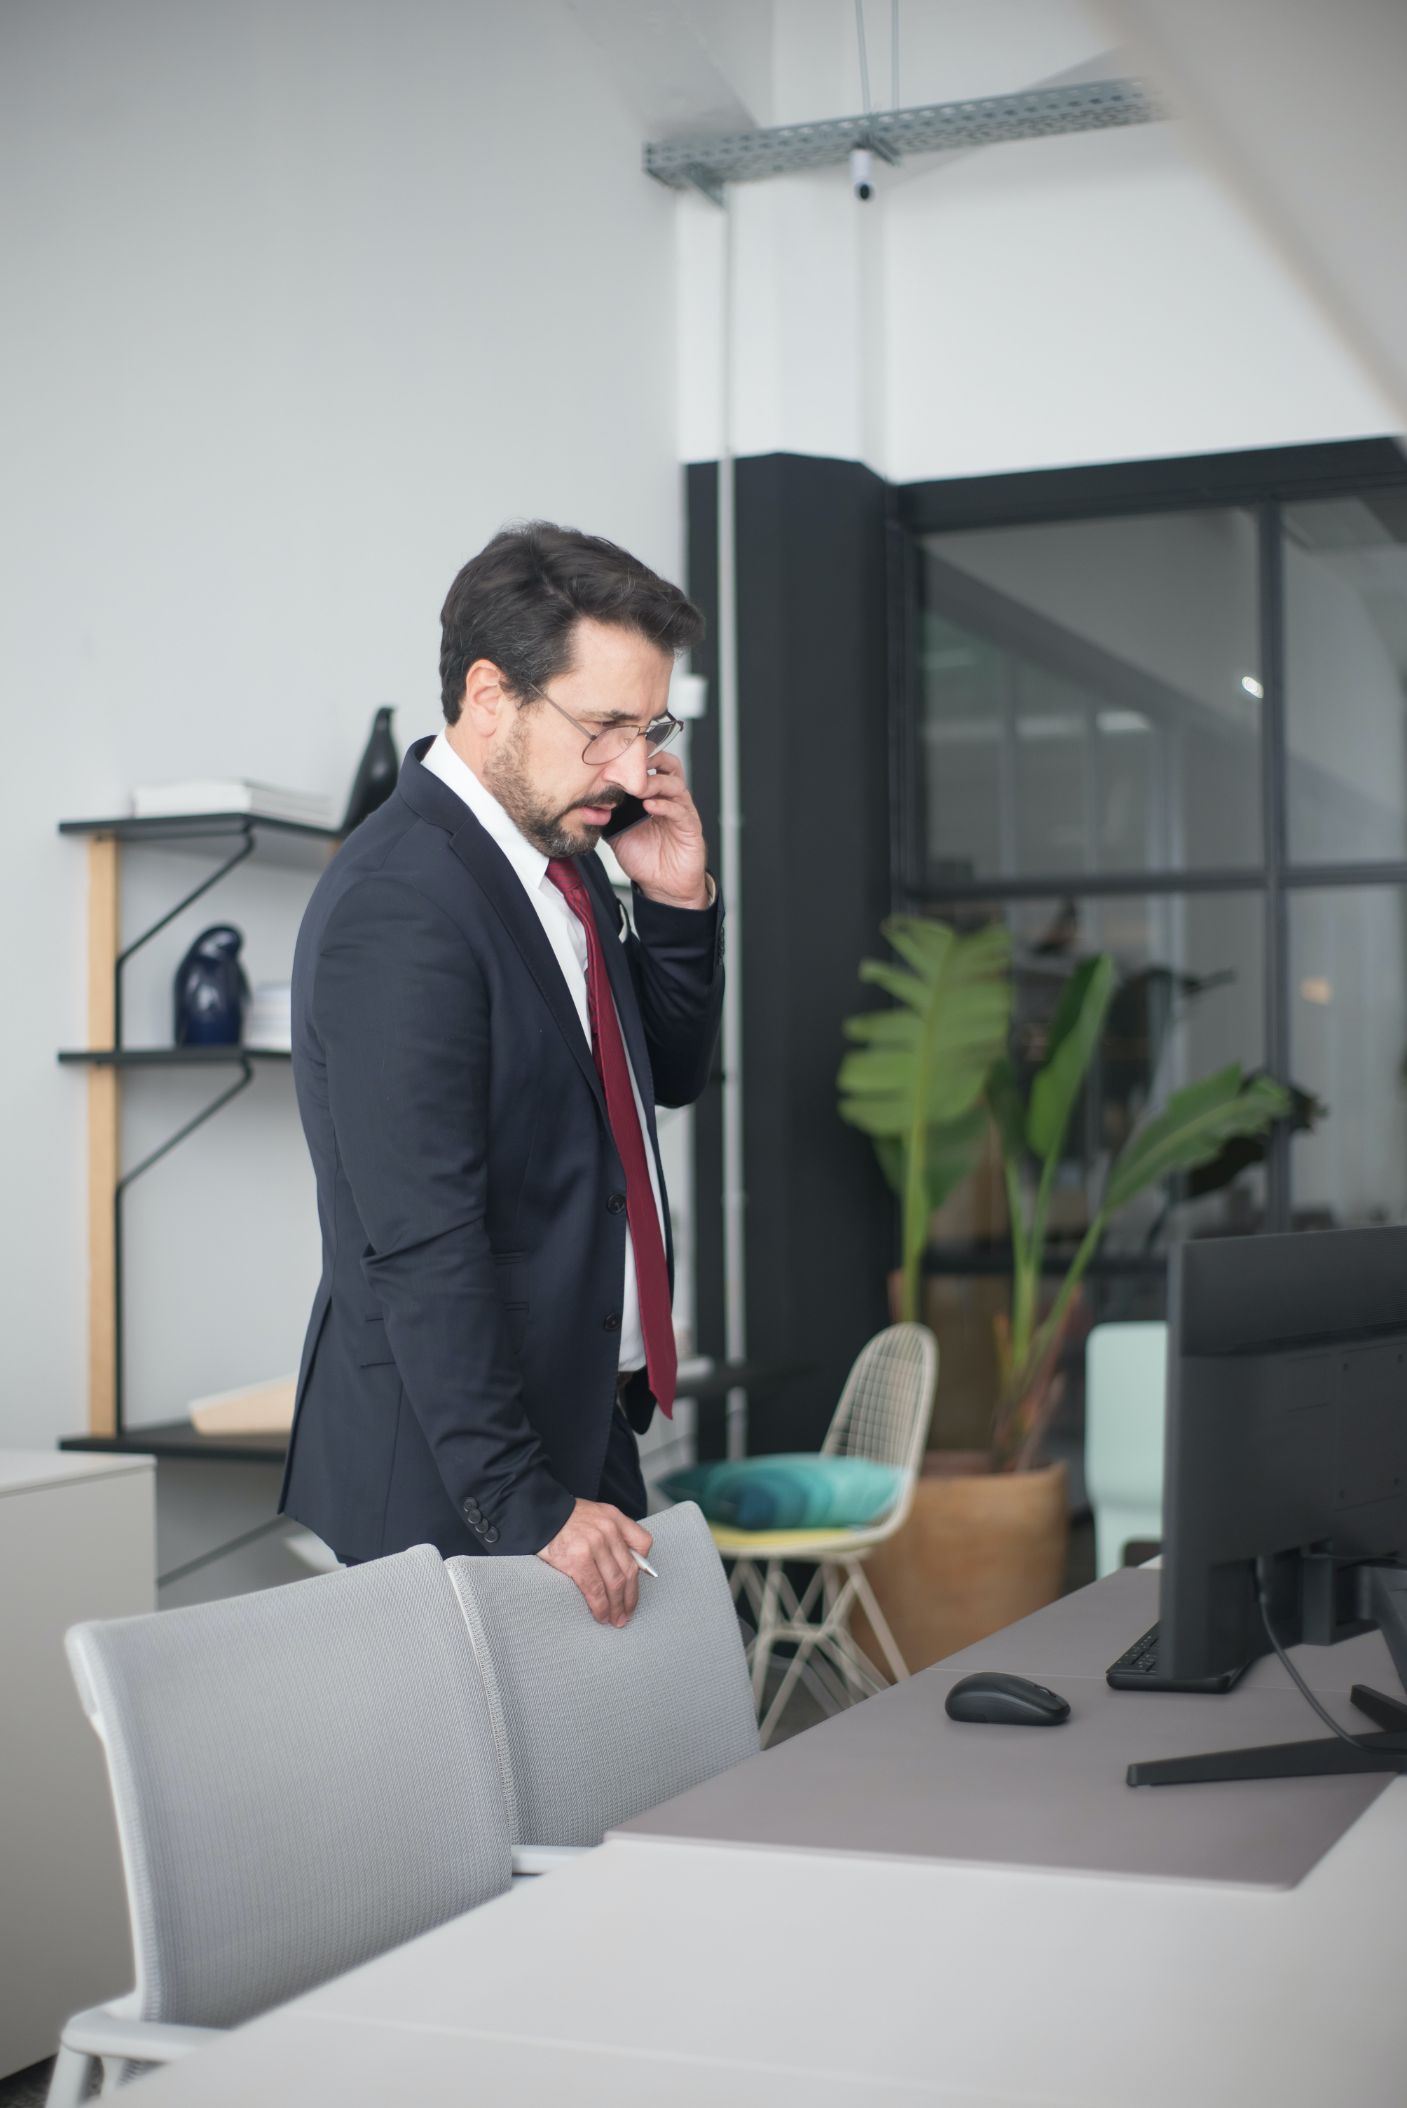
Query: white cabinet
x,y
77,1540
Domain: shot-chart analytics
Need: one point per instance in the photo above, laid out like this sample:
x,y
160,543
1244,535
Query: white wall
x,y
1096,297
302,303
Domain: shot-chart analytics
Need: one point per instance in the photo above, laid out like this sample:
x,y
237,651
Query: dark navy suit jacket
x,y
459,1372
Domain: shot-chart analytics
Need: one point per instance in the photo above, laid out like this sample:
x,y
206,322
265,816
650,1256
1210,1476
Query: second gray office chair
x,y
595,1725
303,1778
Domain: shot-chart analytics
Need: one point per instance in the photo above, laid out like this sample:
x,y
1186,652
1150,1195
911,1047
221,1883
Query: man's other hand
x,y
593,1548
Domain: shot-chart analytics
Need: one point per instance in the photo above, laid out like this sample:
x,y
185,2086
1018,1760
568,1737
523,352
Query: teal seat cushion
x,y
790,1492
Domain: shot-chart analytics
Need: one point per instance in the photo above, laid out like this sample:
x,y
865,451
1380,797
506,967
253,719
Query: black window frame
x,y
1260,482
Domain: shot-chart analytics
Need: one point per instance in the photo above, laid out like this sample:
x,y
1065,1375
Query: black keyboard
x,y
1137,1670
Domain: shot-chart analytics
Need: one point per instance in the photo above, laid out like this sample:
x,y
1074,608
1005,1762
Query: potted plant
x,y
929,1080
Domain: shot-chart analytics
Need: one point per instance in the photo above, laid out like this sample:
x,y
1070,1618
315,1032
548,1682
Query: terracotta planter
x,y
979,1550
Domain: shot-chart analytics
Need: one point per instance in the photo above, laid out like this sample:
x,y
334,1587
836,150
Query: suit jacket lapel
x,y
499,882
435,801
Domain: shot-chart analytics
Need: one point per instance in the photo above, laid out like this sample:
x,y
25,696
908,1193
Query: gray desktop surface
x,y
896,1778
1082,1633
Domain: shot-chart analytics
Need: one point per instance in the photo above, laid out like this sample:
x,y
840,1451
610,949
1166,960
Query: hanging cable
x,y
1263,1597
730,856
864,56
894,54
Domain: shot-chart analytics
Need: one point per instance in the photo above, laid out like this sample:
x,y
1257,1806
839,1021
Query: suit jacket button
x,y
616,1203
611,1321
490,1535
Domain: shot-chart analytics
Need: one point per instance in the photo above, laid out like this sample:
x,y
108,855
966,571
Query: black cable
x,y
1294,1674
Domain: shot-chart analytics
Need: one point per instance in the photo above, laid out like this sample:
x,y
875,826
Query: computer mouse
x,y
1000,1700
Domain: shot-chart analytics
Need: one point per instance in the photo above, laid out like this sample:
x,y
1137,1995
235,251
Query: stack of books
x,y
211,794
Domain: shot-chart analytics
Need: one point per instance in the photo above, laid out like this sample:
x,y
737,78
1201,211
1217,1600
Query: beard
x,y
546,827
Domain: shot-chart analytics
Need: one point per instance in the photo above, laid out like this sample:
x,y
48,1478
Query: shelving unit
x,y
106,1057
284,842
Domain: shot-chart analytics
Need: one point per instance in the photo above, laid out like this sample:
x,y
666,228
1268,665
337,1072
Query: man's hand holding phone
x,y
595,1548
665,854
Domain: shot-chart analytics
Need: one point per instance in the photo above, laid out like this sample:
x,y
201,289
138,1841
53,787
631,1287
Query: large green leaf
x,y
953,1151
924,945
882,1115
884,1028
1074,1035
1192,1127
914,1081
908,987
1196,1109
951,1154
876,1070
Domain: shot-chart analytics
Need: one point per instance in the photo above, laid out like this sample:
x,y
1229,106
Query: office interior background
x,y
1047,460
1071,592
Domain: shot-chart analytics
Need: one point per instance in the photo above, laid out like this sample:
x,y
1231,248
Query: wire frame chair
x,y
883,1415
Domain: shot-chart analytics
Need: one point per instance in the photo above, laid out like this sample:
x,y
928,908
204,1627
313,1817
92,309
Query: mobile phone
x,y
629,813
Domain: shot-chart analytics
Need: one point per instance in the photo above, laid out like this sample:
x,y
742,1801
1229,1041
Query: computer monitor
x,y
1285,1461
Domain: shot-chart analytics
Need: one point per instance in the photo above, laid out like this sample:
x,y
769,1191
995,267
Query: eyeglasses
x,y
615,740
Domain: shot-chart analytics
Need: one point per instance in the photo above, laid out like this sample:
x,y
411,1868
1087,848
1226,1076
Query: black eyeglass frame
x,y
675,726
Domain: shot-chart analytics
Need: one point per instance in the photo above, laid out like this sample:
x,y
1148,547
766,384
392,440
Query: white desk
x,y
657,1969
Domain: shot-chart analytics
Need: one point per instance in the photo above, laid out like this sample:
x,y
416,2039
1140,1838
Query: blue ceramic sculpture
x,y
211,992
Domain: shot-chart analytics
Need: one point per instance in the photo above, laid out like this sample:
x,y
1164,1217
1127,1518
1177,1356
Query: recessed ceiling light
x,y
1252,685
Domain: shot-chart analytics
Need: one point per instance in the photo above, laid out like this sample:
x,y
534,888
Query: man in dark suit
x,y
480,1040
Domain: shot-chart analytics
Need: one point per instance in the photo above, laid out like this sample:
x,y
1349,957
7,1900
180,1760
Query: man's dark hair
x,y
516,603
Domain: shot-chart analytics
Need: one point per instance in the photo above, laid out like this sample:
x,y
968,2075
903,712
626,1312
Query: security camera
x,y
862,172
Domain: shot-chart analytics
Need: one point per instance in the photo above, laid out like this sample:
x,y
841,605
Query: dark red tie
x,y
608,1049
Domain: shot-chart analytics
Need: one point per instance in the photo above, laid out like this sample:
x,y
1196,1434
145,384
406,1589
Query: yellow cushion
x,y
776,1544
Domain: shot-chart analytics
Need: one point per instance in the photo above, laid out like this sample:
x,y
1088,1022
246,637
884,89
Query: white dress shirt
x,y
564,933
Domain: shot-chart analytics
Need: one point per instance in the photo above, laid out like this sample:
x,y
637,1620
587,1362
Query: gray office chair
x,y
594,1725
302,1777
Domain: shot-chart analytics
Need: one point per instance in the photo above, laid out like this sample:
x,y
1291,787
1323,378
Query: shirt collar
x,y
527,860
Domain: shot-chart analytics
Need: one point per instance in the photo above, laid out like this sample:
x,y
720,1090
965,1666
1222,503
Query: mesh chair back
x,y
887,1403
596,1725
303,1777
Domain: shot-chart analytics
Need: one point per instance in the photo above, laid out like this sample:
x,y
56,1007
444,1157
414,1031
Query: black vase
x,y
211,992
376,771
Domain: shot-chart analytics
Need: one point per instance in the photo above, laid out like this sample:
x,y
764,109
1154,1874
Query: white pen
x,y
643,1564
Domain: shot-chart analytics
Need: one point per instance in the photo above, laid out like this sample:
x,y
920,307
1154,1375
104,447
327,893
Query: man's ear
x,y
485,702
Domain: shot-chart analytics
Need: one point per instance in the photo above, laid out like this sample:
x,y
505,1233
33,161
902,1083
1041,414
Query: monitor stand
x,y
1382,1601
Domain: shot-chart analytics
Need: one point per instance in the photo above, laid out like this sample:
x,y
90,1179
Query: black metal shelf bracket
x,y
129,1178
246,849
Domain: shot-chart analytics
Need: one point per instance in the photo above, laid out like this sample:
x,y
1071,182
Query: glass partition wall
x,y
1161,711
